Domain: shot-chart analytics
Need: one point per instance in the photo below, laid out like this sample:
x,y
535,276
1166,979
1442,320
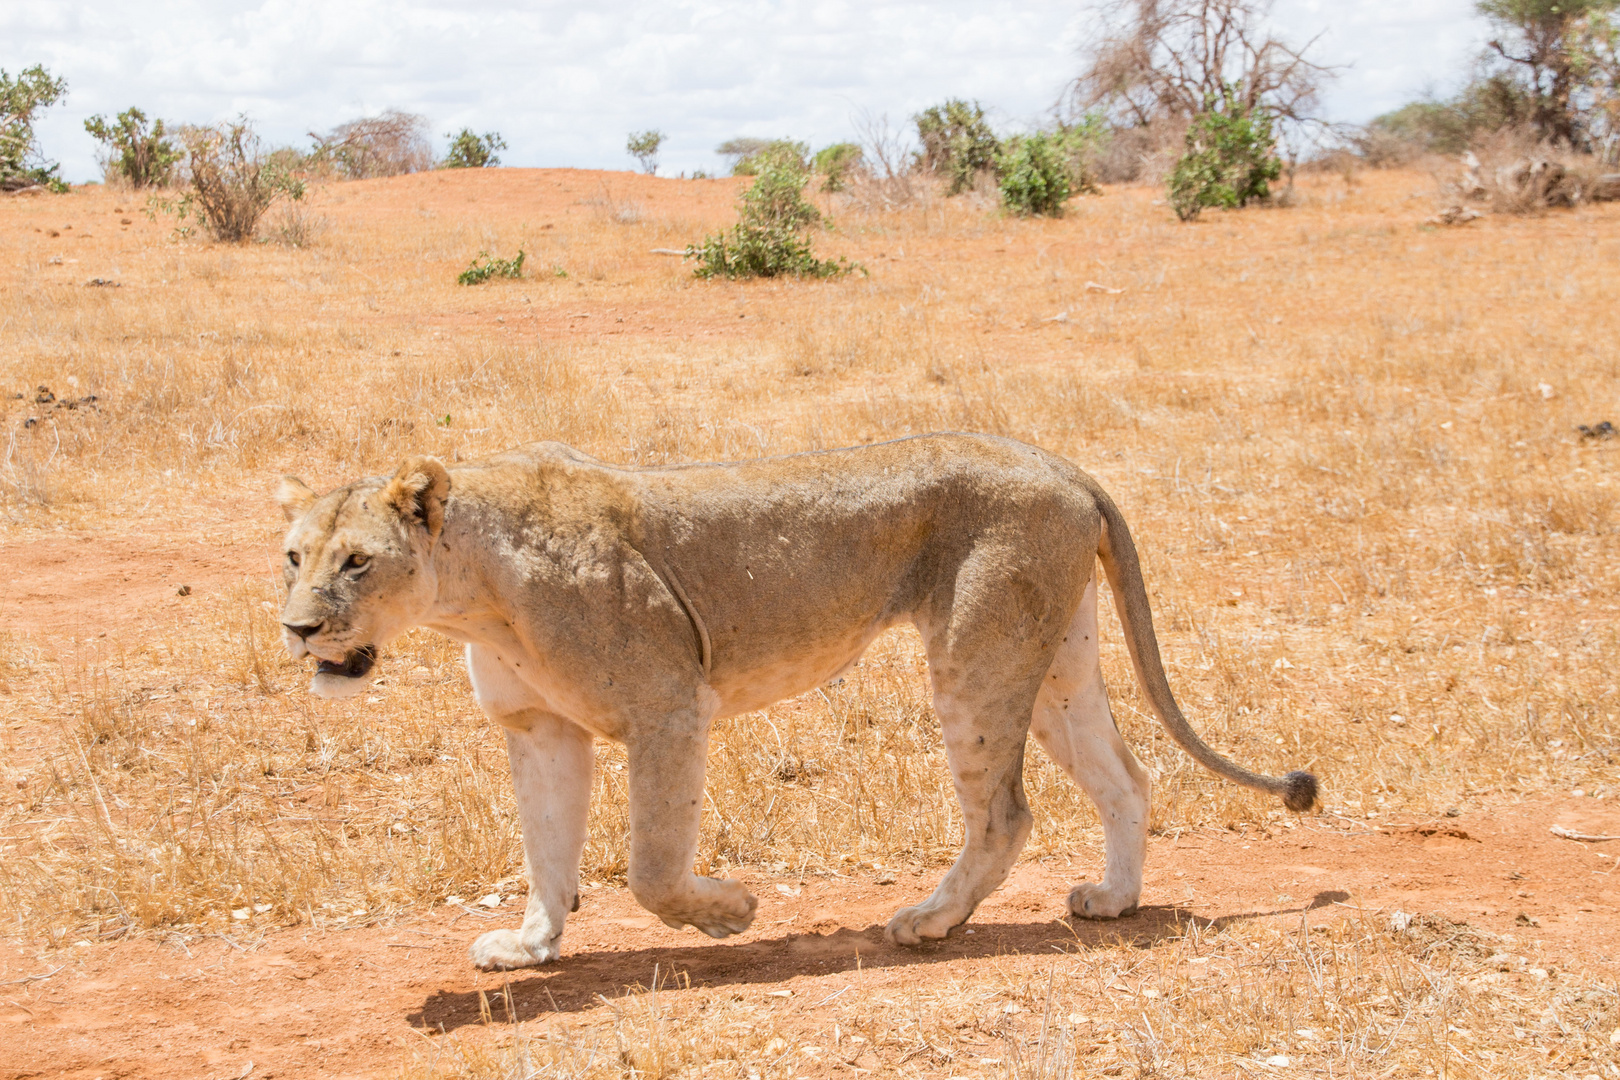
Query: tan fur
x,y
640,604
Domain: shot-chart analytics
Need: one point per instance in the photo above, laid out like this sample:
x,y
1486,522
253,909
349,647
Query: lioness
x,y
639,604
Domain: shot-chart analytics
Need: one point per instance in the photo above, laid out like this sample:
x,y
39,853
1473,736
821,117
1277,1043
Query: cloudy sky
x,y
565,82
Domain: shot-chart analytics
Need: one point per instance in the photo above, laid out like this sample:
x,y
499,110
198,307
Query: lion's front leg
x,y
551,761
666,803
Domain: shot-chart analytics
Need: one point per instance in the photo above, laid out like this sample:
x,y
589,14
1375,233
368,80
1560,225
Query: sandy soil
x,y
302,1003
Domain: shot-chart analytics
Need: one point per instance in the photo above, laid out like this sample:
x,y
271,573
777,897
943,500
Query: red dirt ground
x,y
309,1003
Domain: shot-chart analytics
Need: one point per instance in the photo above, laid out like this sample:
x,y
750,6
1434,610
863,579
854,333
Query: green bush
x,y
1081,144
835,162
1231,158
137,152
765,153
768,239
957,142
472,151
479,272
1035,175
776,197
21,164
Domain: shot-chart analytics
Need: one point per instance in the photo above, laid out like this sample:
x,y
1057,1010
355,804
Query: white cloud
x,y
565,82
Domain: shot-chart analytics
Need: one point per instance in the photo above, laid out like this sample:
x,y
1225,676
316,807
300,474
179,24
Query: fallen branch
x,y
1571,834
669,251
33,978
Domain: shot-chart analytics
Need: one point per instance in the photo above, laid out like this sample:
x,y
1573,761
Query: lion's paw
x,y
730,911
503,950
1089,901
913,924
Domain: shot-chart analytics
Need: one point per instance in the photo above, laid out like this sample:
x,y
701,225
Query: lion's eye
x,y
292,557
355,561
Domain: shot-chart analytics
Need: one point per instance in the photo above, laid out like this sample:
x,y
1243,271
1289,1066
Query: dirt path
x,y
303,1003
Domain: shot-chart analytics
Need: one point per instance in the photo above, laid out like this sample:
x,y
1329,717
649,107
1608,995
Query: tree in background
x,y
1448,126
391,144
643,146
472,151
1561,53
137,152
740,149
835,163
21,164
1151,64
1159,59
957,143
1231,157
769,151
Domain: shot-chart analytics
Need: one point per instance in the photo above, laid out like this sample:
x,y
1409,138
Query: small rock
x,y
241,913
1454,215
493,900
102,283
184,590
1604,430
886,878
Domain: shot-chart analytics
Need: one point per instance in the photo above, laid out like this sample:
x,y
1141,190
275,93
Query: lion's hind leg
x,y
983,706
1074,724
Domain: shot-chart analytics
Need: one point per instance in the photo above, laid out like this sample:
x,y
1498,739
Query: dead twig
x,y
33,978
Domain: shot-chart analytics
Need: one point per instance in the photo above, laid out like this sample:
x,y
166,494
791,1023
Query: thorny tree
x,y
1163,59
390,144
1562,53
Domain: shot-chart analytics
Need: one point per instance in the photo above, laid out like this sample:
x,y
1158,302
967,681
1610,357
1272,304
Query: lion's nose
x,y
303,630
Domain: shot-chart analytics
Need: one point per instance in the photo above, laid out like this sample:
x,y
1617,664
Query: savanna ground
x,y
1377,546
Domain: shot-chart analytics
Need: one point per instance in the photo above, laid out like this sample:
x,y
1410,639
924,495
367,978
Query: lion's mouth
x,y
355,666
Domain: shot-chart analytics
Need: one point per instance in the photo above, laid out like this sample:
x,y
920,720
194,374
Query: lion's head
x,y
358,568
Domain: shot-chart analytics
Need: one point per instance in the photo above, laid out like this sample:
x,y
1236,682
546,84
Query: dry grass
x,y
1346,444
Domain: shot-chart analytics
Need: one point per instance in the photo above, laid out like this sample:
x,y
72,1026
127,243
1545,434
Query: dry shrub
x,y
888,176
1512,171
231,179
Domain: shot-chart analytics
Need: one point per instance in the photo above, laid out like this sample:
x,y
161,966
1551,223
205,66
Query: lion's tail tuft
x,y
1298,790
1301,793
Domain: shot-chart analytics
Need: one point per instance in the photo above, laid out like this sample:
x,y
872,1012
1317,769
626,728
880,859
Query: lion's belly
x,y
792,673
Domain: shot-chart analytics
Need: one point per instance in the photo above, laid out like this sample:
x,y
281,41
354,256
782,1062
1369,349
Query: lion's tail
x,y
1118,555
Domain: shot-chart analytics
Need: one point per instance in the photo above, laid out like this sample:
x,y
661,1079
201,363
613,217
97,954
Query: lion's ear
x,y
417,492
294,497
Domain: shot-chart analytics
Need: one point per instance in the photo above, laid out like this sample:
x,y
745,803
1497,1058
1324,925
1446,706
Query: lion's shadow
x,y
582,980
